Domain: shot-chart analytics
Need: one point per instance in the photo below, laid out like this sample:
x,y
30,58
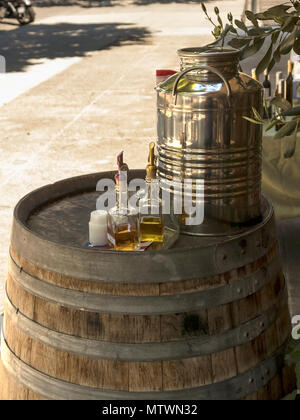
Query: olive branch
x,y
281,34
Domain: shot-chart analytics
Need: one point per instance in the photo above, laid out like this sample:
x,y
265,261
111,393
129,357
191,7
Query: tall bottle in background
x,y
288,84
280,92
295,58
278,77
254,74
122,220
267,94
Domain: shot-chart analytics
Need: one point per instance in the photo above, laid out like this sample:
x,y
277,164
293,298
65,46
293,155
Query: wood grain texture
x,y
134,329
148,289
13,390
154,376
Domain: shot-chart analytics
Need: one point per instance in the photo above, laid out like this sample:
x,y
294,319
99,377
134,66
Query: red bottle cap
x,y
165,72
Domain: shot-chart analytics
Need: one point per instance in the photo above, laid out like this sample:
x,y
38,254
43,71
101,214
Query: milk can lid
x,y
209,51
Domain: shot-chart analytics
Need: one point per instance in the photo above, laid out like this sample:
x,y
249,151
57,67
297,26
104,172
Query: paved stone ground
x,y
80,88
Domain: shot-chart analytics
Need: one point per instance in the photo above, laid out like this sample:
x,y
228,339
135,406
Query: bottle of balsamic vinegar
x,y
267,85
288,84
267,94
122,220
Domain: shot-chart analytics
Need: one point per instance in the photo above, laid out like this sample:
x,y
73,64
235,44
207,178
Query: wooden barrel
x,y
207,319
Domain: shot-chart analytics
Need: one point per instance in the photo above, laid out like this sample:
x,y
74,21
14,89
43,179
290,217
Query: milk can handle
x,y
209,68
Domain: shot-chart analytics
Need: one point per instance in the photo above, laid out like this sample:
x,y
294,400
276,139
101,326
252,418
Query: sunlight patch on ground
x,y
14,84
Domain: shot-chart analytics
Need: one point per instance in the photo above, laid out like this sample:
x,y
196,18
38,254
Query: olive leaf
x,y
277,54
230,17
291,112
251,16
296,46
280,10
233,30
257,115
280,102
261,16
290,146
286,130
222,35
289,24
248,51
255,32
238,42
203,8
270,65
266,108
288,43
274,36
253,121
263,64
271,125
241,25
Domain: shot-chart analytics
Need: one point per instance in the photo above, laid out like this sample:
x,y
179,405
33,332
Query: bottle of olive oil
x,y
280,92
254,74
288,84
278,77
122,220
151,224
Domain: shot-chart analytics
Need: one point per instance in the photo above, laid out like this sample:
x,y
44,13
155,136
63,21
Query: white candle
x,y
98,228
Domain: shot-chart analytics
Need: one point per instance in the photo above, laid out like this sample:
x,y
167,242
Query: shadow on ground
x,y
110,3
37,42
82,3
148,2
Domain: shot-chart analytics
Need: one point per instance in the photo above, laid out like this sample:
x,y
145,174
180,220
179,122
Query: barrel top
x,y
55,218
60,213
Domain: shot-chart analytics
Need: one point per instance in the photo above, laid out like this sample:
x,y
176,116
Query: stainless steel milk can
x,y
202,135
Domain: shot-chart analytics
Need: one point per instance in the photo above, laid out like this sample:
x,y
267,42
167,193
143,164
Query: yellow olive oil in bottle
x,y
151,229
254,74
150,218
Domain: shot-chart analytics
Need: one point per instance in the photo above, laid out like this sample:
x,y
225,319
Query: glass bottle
x,y
151,223
254,74
288,84
278,76
280,92
267,94
122,220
